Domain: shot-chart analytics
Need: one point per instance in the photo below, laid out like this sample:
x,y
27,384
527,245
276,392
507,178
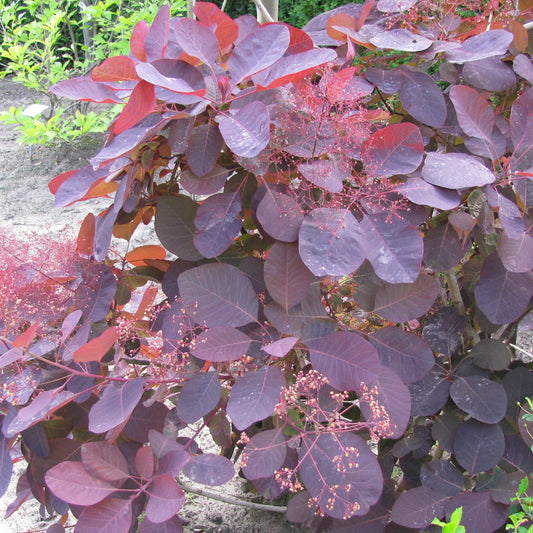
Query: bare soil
x,y
26,206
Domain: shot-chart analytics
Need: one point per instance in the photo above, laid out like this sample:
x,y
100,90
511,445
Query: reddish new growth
x,y
36,272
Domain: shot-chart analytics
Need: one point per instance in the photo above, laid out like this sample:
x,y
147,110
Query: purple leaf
x,y
73,484
264,454
487,44
474,113
219,295
516,254
405,353
115,405
85,89
429,395
209,469
442,248
444,428
6,466
254,396
501,295
42,406
77,185
396,247
156,39
518,453
491,354
345,359
286,277
422,98
280,348
220,344
480,513
173,462
483,399
175,83
205,145
257,51
165,499
331,242
323,173
95,295
388,81
508,212
279,215
143,419
211,183
401,39
392,396
174,226
455,171
443,477
489,74
521,130
394,6
196,40
416,508
394,149
111,515
423,193
104,460
199,396
477,446
441,330
293,67
341,472
247,132
523,67
174,525
218,222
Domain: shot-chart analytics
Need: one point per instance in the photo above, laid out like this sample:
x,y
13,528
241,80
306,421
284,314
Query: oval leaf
x,y
264,454
209,469
254,396
279,215
331,242
219,295
221,344
394,149
346,359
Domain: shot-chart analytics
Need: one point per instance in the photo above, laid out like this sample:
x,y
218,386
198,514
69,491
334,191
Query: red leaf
x,y
144,462
138,36
118,68
394,149
96,348
84,243
70,482
226,29
142,102
24,339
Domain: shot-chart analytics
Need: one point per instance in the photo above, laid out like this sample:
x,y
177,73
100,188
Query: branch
x,y
234,500
264,11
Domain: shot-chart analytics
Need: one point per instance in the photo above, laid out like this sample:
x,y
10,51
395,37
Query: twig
x,y
521,350
264,11
234,500
455,293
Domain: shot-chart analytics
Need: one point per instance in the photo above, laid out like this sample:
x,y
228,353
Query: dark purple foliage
x,y
353,257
